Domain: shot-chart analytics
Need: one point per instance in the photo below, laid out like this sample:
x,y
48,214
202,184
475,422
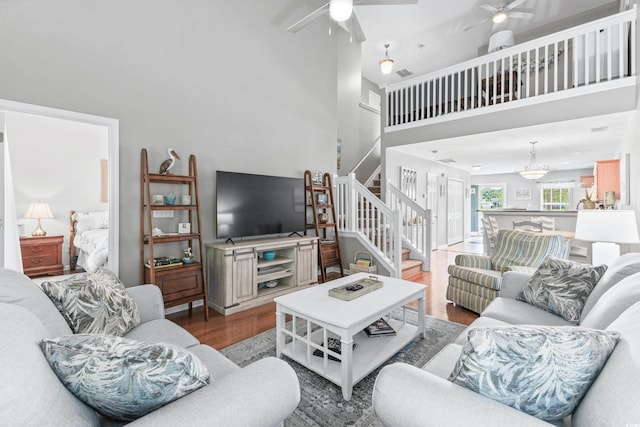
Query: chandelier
x,y
533,170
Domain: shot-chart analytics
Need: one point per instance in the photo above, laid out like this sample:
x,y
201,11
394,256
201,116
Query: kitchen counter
x,y
565,220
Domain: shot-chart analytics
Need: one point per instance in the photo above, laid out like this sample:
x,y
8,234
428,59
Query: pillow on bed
x,y
91,220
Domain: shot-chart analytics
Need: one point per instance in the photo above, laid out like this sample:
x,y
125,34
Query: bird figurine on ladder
x,y
168,164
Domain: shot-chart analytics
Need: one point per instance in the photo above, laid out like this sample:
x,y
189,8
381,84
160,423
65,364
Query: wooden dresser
x,y
42,256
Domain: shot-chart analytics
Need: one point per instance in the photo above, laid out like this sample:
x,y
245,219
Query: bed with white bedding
x,y
89,240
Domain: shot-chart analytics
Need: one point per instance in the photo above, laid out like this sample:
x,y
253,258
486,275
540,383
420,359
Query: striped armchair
x,y
475,280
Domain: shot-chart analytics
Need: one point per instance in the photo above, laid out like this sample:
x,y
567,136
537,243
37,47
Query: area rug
x,y
321,402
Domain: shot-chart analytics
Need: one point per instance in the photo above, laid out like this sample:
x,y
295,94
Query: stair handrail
x,y
415,225
375,145
350,198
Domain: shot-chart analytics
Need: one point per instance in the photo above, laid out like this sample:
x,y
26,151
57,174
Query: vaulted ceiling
x,y
431,34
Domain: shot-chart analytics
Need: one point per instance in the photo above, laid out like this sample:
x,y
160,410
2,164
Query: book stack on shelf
x,y
335,345
164,261
379,328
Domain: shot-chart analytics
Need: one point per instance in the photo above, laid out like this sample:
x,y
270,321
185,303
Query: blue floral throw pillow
x,y
562,287
94,303
120,378
542,371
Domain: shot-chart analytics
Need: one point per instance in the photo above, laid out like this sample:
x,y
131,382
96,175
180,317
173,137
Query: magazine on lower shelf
x,y
379,328
333,344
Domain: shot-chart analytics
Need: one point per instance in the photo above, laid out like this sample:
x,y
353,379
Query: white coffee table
x,y
346,320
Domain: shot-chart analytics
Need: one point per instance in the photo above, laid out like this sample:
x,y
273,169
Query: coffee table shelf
x,y
368,354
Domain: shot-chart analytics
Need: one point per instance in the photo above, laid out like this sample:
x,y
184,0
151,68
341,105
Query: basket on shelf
x,y
363,262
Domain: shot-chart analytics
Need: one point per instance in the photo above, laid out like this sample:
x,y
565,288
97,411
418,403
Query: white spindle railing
x,y
584,56
416,223
360,211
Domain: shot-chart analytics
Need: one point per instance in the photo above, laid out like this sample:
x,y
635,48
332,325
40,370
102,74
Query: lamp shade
x,y
501,40
38,210
386,65
614,226
340,10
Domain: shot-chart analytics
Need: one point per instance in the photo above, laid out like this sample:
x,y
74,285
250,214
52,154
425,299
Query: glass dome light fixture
x,y
533,170
499,17
340,10
386,65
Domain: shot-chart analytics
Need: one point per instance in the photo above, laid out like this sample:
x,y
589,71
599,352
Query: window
x,y
555,198
492,196
409,182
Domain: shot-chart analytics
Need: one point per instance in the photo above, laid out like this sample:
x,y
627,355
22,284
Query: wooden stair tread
x,y
409,263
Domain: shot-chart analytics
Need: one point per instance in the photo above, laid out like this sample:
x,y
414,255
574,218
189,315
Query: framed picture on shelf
x,y
523,194
184,228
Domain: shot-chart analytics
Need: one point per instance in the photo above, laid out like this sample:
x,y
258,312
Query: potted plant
x,y
587,203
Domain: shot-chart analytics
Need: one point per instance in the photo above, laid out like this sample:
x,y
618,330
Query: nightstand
x,y
42,256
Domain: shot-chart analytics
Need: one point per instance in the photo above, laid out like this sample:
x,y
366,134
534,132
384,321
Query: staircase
x,y
410,266
376,188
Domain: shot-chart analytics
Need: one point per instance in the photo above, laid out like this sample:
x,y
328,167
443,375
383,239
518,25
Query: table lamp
x,y
38,210
606,228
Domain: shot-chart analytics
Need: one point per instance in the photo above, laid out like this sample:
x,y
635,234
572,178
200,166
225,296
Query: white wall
x,y
349,84
514,181
221,80
368,122
394,160
58,162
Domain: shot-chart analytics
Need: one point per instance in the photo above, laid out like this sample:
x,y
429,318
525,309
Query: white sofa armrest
x,y
513,283
149,300
406,396
261,394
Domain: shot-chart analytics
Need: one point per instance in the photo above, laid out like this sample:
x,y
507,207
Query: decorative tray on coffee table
x,y
355,289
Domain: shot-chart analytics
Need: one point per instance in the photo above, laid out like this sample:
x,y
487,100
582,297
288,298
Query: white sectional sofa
x,y
408,396
261,394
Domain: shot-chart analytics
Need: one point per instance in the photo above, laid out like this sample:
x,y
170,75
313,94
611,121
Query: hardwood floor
x,y
222,331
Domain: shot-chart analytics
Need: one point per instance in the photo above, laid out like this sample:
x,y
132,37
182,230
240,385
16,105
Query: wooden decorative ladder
x,y
319,199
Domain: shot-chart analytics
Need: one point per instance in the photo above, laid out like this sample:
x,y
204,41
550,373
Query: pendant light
x,y
386,65
534,170
340,10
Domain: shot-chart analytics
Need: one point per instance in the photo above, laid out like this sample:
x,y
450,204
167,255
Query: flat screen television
x,y
255,205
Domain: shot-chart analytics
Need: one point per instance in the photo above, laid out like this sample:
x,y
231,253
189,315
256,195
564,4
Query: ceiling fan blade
x,y
354,28
382,2
476,24
489,8
514,3
520,14
308,19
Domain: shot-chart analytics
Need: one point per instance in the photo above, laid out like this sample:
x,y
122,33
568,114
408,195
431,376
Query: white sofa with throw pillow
x,y
204,387
476,380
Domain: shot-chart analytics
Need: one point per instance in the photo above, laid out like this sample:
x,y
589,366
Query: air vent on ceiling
x,y
446,161
405,72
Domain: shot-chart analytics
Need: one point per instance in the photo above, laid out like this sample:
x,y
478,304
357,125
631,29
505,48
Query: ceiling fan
x,y
342,12
501,14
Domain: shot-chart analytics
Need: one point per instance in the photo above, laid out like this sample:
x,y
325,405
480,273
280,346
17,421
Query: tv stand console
x,y
243,274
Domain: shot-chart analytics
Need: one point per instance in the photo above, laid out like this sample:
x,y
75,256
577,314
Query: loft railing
x,y
586,56
416,223
360,212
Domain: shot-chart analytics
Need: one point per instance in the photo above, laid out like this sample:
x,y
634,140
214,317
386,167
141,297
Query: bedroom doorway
x,y
58,157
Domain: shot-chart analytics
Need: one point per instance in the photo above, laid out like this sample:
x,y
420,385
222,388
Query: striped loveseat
x,y
475,280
